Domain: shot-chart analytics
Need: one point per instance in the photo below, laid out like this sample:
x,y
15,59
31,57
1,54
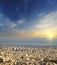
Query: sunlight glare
x,y
50,35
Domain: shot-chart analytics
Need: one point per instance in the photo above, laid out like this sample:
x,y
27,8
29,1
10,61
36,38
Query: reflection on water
x,y
28,41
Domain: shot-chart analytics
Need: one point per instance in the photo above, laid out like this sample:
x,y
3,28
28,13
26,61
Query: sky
x,y
28,18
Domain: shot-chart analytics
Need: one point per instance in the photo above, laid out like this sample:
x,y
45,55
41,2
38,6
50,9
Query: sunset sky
x,y
28,18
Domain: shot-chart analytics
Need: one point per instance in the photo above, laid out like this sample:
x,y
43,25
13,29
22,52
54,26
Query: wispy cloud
x,y
6,25
51,2
20,22
47,23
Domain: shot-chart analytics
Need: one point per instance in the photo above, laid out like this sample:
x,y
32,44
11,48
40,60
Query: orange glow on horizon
x,y
48,35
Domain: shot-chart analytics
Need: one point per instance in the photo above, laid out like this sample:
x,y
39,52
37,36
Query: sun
x,y
50,35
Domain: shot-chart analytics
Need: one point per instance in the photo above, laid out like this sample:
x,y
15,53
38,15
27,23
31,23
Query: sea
x,y
28,42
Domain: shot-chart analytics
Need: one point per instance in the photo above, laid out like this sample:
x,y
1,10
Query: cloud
x,y
41,14
51,2
6,25
47,23
20,22
14,26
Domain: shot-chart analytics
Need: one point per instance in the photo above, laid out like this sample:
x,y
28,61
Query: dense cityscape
x,y
27,56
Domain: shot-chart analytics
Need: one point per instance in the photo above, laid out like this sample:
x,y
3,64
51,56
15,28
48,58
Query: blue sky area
x,y
27,15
